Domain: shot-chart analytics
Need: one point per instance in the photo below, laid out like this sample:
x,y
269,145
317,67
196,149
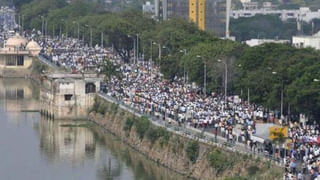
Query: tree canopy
x,y
265,69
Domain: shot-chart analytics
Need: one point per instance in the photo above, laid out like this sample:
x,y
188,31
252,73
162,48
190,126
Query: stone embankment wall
x,y
181,154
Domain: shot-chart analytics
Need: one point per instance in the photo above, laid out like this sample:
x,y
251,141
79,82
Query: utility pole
x,y
78,31
60,33
184,66
101,40
19,22
205,75
22,18
53,31
225,80
46,30
137,48
248,96
42,26
90,36
159,45
281,104
134,50
226,84
151,54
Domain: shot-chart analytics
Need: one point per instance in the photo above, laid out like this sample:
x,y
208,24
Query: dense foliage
x,y
186,51
269,68
219,160
266,26
192,151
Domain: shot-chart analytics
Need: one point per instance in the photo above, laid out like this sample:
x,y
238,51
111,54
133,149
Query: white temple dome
x,y
16,41
33,47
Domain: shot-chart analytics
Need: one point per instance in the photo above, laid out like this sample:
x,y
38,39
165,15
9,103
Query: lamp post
x,y
53,31
160,53
101,40
205,75
74,22
226,81
281,101
152,43
137,57
42,25
184,66
60,33
46,30
22,19
134,48
90,29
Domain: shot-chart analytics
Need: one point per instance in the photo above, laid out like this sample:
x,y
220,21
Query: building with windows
x,y
68,96
307,41
208,15
16,56
302,14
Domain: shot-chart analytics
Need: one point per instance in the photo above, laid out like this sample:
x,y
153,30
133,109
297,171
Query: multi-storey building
x,y
303,14
209,15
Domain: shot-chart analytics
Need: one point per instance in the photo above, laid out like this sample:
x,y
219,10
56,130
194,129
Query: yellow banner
x,y
278,132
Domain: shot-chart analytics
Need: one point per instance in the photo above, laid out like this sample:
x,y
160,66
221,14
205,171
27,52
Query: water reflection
x,y
80,141
65,140
143,168
18,94
37,148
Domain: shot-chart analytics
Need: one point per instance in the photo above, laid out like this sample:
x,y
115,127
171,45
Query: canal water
x,y
36,148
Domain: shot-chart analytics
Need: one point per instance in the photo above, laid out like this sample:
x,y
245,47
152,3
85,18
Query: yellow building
x,y
201,14
16,56
208,15
193,10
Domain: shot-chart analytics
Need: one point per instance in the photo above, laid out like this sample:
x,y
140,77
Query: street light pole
x,y
46,30
137,57
90,36
90,29
205,75
134,50
184,66
151,54
60,33
42,25
225,80
282,96
77,29
101,39
248,96
160,51
22,19
152,43
281,104
53,31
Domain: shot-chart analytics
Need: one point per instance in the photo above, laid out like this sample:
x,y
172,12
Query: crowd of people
x,y
73,54
142,87
305,151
